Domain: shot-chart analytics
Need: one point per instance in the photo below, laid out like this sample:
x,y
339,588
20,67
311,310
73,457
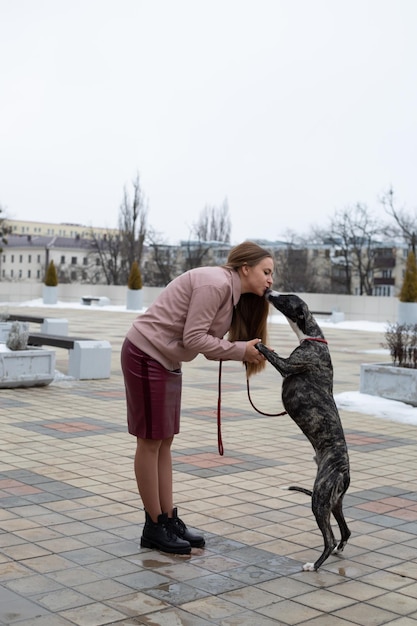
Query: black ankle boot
x,y
161,536
182,532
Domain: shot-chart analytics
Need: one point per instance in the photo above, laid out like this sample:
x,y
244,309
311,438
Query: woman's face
x,y
257,278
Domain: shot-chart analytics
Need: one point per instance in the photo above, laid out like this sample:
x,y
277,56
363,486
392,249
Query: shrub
x,y
51,278
18,337
135,277
408,291
401,341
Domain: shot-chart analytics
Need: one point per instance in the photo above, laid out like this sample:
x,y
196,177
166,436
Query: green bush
x,y
408,291
51,278
135,277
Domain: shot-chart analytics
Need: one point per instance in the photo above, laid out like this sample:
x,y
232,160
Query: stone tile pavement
x,y
70,517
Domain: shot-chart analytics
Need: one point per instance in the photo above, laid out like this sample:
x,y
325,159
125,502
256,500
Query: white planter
x,y
134,299
389,381
5,328
407,312
49,294
26,368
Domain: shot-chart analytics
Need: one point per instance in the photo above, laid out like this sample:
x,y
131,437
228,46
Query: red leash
x,y
219,396
219,419
257,410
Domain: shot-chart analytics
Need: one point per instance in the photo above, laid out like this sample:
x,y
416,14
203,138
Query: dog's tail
x,y
306,491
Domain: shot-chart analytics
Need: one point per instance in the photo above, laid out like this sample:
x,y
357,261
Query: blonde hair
x,y
251,313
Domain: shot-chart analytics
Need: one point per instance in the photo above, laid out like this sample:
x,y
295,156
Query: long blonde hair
x,y
251,313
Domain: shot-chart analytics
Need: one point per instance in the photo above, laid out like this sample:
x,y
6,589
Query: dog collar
x,y
315,339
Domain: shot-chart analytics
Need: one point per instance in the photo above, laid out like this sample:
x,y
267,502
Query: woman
x,y
190,316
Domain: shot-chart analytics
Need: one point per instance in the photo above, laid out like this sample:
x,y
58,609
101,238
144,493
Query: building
x,y
50,229
27,257
302,267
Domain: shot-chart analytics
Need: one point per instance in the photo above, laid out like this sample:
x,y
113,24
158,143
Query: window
x,y
28,273
38,274
39,258
62,259
4,258
12,258
29,258
73,275
97,261
11,273
20,258
85,260
20,273
74,260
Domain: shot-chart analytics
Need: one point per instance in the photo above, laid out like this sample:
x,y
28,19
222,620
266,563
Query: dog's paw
x,y
308,567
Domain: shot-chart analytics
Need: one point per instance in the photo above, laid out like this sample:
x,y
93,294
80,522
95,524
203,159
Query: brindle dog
x,y
307,395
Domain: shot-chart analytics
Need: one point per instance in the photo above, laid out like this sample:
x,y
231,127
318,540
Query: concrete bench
x,y
99,300
336,316
51,325
88,358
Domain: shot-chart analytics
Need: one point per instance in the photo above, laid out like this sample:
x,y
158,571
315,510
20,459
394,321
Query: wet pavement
x,y
71,519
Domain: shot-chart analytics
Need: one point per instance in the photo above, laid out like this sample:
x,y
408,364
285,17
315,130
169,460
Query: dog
x,y
307,396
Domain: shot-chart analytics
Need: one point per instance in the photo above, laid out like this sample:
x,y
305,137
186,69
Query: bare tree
x,y
406,223
196,251
160,268
116,251
354,232
132,222
213,224
107,257
296,269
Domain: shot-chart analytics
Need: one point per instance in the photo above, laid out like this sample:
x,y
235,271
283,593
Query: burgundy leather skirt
x,y
153,395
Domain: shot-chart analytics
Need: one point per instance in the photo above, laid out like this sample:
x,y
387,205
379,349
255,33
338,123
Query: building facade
x,y
50,229
309,268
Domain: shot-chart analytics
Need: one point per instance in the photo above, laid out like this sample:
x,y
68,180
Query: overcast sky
x,y
289,109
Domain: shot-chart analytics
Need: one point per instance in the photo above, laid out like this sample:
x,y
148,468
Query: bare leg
x,y
153,471
147,475
165,476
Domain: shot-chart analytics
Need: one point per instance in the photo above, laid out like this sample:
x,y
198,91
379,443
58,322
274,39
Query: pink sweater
x,y
191,316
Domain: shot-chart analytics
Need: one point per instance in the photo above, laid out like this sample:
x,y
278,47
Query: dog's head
x,y
294,309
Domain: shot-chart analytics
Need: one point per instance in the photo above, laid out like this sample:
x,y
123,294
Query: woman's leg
x,y
147,475
153,469
165,476
166,497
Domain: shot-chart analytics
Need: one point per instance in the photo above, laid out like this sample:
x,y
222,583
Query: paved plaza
x,y
71,519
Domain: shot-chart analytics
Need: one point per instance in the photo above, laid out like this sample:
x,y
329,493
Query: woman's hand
x,y
252,355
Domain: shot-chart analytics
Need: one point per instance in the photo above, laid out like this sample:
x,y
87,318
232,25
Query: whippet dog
x,y
307,396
